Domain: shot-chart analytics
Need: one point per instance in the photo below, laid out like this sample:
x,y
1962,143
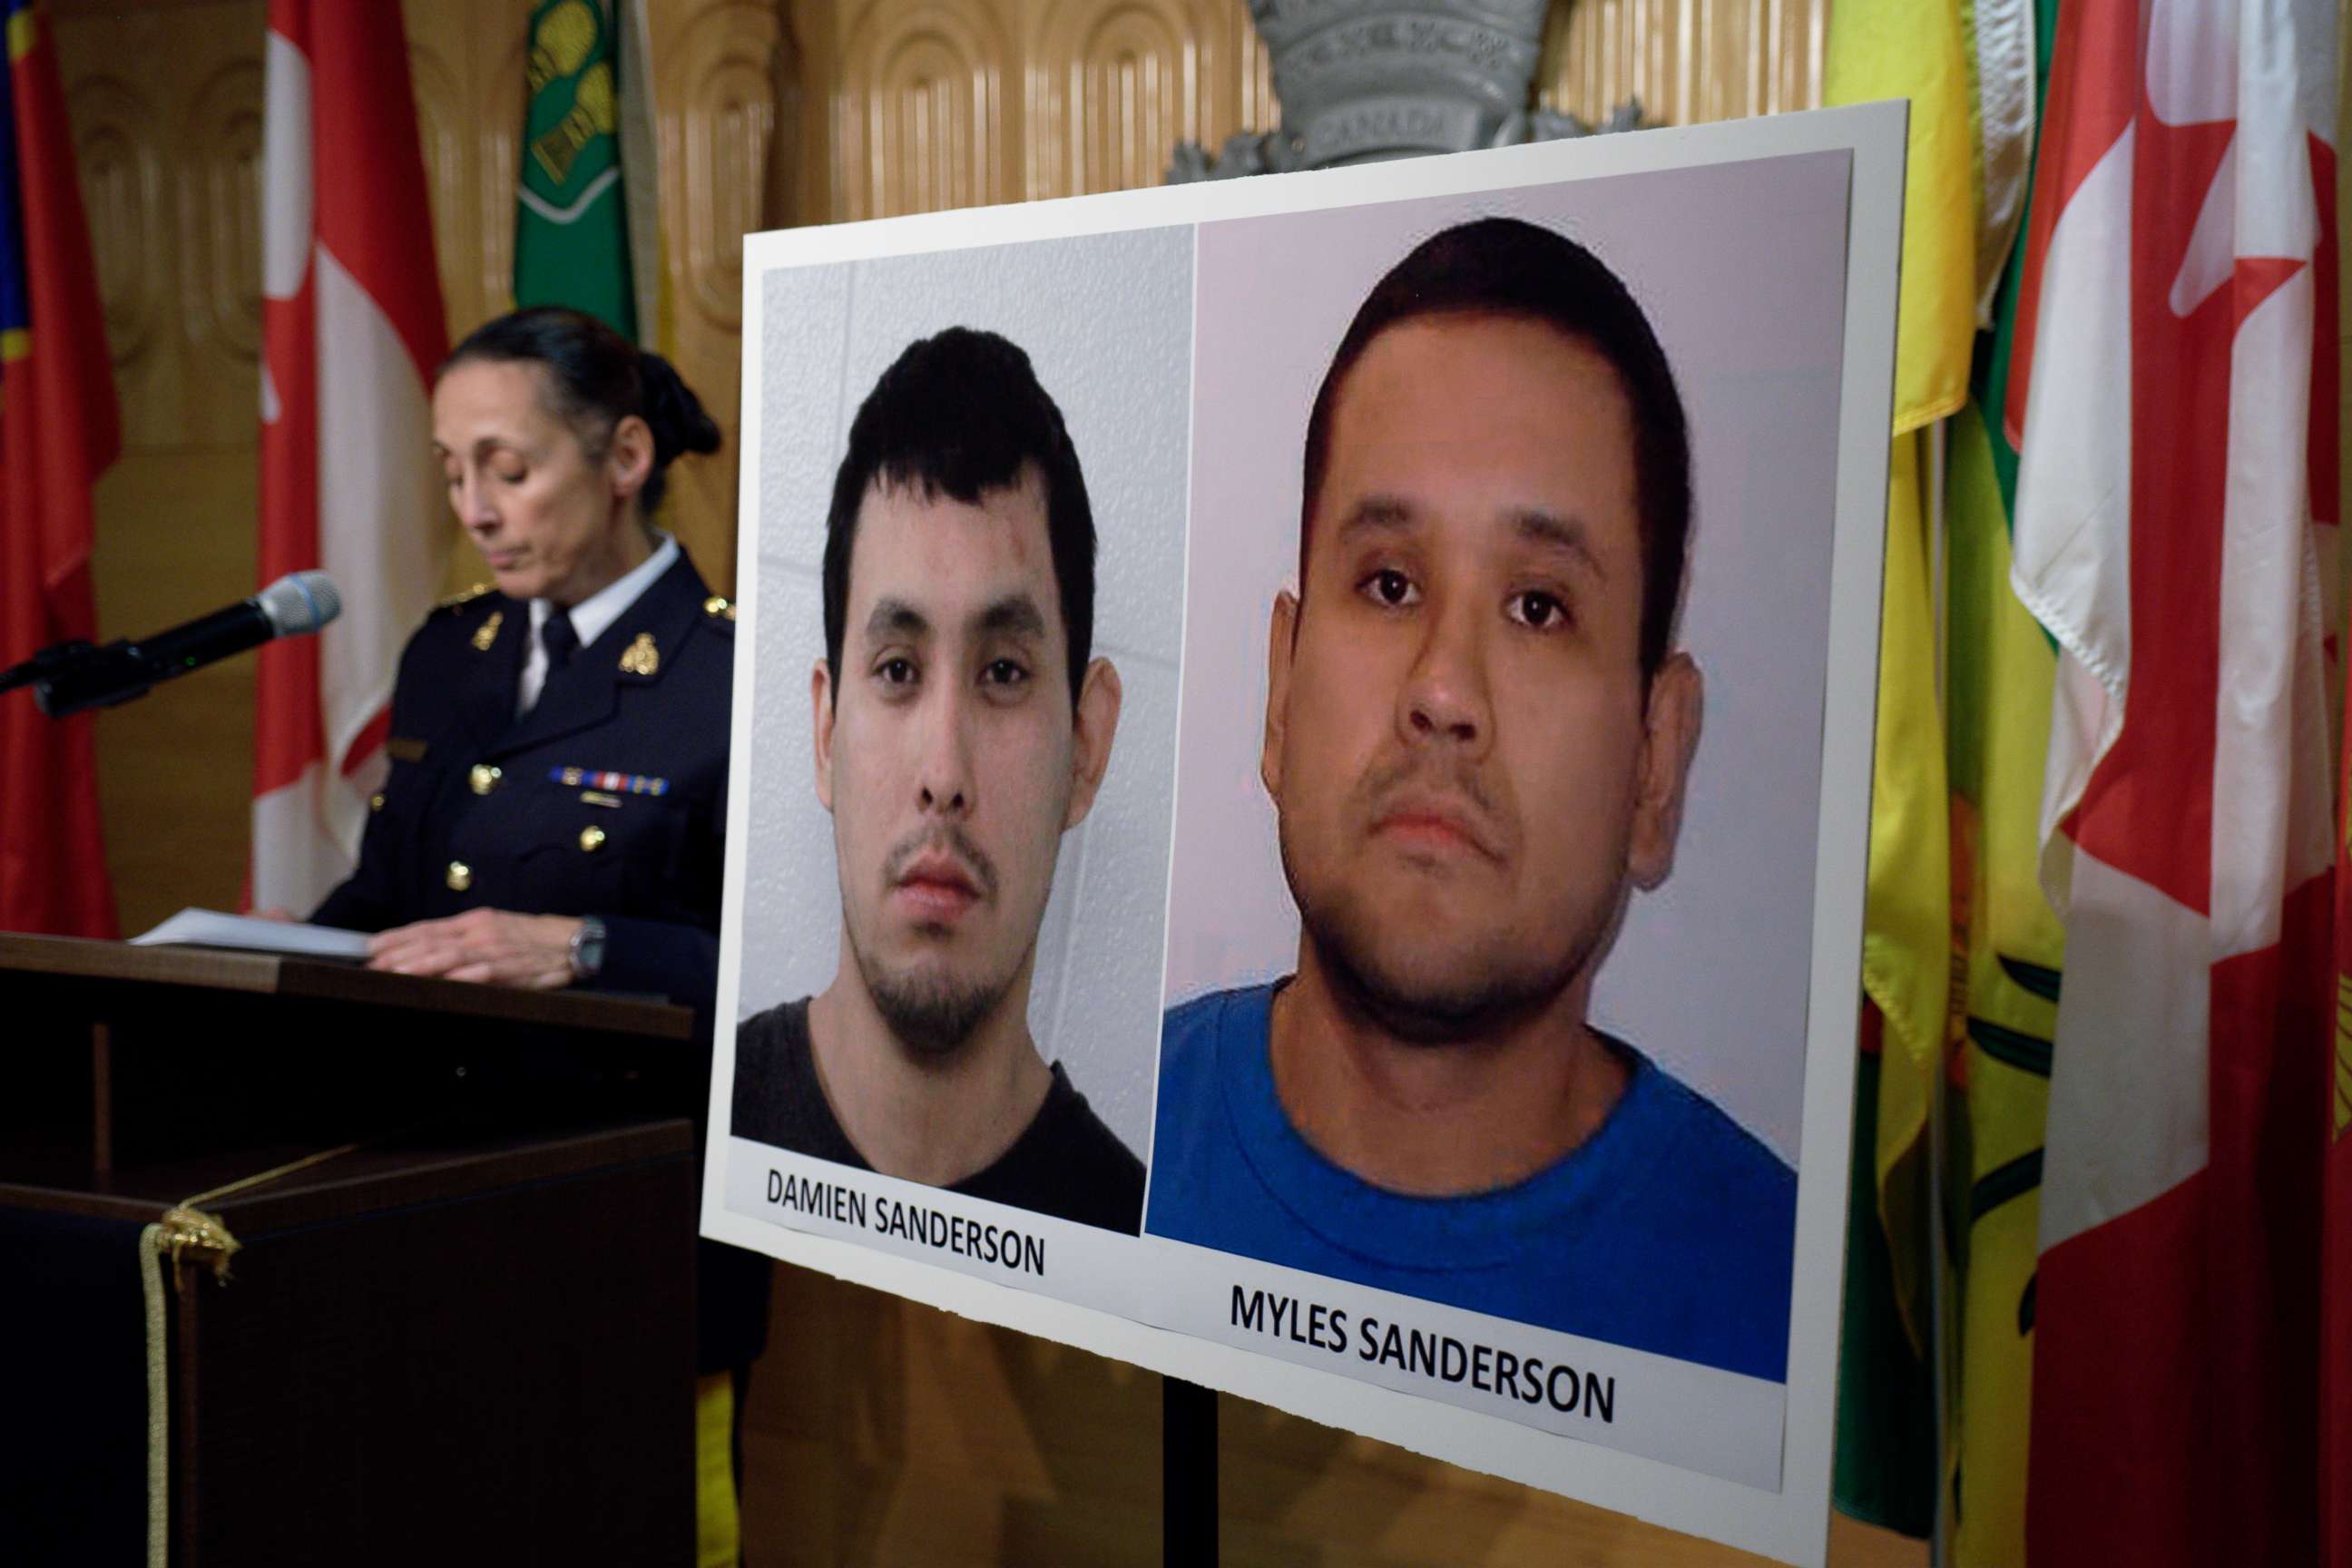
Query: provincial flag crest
x,y
572,224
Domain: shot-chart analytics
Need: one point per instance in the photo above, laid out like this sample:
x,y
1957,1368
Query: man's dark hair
x,y
960,414
595,379
1504,266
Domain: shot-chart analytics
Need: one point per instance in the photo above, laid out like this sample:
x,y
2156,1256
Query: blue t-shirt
x,y
1670,1229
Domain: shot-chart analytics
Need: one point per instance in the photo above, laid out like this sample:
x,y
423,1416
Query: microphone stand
x,y
68,677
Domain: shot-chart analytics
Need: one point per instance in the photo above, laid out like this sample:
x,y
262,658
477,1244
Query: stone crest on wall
x,y
1361,81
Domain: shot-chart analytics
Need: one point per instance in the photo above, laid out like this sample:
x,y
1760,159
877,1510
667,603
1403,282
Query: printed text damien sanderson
x,y
1015,1251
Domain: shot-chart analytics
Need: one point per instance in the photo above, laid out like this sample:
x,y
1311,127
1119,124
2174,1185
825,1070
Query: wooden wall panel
x,y
920,120
718,64
165,106
1110,89
1686,60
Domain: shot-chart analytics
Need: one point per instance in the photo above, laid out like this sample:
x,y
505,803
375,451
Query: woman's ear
x,y
629,456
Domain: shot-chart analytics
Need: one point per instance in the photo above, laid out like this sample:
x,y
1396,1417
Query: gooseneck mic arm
x,y
72,675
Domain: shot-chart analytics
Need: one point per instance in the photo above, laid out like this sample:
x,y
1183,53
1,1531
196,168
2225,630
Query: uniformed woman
x,y
559,737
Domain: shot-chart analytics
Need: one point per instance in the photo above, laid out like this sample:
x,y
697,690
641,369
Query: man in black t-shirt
x,y
961,729
1065,1163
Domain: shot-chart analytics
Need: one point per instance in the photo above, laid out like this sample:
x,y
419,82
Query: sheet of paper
x,y
211,928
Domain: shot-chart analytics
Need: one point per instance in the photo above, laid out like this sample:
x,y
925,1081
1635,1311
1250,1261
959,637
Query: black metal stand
x,y
1188,1472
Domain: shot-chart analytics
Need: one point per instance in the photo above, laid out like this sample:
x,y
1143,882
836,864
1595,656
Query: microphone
x,y
72,675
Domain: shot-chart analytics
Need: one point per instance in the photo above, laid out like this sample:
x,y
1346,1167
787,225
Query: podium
x,y
458,1323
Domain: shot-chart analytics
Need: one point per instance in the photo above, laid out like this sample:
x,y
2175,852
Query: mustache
x,y
949,839
1409,781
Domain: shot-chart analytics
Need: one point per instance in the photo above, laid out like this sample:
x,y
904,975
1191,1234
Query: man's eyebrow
x,y
895,618
1016,614
1376,515
1553,532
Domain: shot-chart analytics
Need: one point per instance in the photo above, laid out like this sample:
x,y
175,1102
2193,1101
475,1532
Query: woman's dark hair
x,y
596,378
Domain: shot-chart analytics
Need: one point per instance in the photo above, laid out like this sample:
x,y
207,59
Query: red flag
x,y
351,330
58,430
2176,415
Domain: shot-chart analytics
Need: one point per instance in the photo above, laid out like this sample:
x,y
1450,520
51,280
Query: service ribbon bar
x,y
618,784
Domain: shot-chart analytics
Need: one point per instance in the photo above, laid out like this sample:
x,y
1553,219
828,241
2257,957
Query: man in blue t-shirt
x,y
1478,732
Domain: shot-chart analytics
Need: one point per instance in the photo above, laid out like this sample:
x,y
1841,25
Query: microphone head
x,y
299,602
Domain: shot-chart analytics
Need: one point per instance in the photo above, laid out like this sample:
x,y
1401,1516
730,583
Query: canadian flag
x,y
352,331
2174,392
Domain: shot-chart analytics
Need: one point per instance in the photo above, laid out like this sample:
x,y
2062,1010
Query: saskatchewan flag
x,y
1886,1434
2001,670
572,218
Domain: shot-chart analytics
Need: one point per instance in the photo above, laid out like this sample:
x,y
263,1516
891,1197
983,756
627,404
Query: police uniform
x,y
607,798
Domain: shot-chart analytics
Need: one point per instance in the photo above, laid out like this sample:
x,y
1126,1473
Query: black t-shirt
x,y
1065,1163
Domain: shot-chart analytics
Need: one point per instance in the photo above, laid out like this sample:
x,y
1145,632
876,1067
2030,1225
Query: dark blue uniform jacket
x,y
484,808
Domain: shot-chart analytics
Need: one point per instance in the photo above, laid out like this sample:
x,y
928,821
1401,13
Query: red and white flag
x,y
351,330
2175,397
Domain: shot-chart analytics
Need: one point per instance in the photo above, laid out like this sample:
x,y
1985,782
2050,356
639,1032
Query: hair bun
x,y
677,417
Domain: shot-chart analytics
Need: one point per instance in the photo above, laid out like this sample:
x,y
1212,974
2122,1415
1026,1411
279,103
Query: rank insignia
x,y
487,632
641,658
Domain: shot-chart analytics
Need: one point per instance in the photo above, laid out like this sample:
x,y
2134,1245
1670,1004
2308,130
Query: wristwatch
x,y
588,949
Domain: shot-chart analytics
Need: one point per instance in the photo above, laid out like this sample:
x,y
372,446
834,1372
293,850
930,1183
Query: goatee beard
x,y
932,1018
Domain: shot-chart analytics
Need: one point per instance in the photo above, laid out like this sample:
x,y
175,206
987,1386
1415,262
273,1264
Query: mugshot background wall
x,y
1107,321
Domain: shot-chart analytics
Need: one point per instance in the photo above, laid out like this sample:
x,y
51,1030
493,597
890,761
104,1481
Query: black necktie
x,y
558,637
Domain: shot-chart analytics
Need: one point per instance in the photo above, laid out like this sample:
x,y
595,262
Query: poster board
x,y
1182,336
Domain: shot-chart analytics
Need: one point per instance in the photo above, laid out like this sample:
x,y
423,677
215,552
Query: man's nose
x,y
945,780
1445,696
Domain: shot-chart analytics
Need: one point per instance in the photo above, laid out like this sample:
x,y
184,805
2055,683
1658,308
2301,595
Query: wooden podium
x,y
463,1331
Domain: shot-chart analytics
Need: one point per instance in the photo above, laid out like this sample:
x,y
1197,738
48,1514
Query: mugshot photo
x,y
1500,764
970,550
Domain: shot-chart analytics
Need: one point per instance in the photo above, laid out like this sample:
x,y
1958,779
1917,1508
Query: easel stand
x,y
1188,1471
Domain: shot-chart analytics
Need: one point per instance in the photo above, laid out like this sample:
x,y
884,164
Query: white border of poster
x,y
1689,1447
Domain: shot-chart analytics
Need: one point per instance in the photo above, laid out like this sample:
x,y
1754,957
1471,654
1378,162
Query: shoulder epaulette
x,y
459,600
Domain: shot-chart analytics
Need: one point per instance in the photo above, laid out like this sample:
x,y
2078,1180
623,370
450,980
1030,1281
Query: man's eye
x,y
513,476
1002,672
1390,587
1539,609
896,672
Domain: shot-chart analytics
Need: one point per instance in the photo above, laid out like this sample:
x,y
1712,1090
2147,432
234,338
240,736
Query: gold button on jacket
x,y
592,838
461,876
484,778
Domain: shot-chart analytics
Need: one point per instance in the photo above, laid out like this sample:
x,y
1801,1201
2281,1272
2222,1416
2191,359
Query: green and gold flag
x,y
2002,666
572,218
1886,1437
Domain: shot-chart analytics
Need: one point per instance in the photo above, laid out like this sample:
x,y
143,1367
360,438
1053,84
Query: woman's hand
x,y
492,946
